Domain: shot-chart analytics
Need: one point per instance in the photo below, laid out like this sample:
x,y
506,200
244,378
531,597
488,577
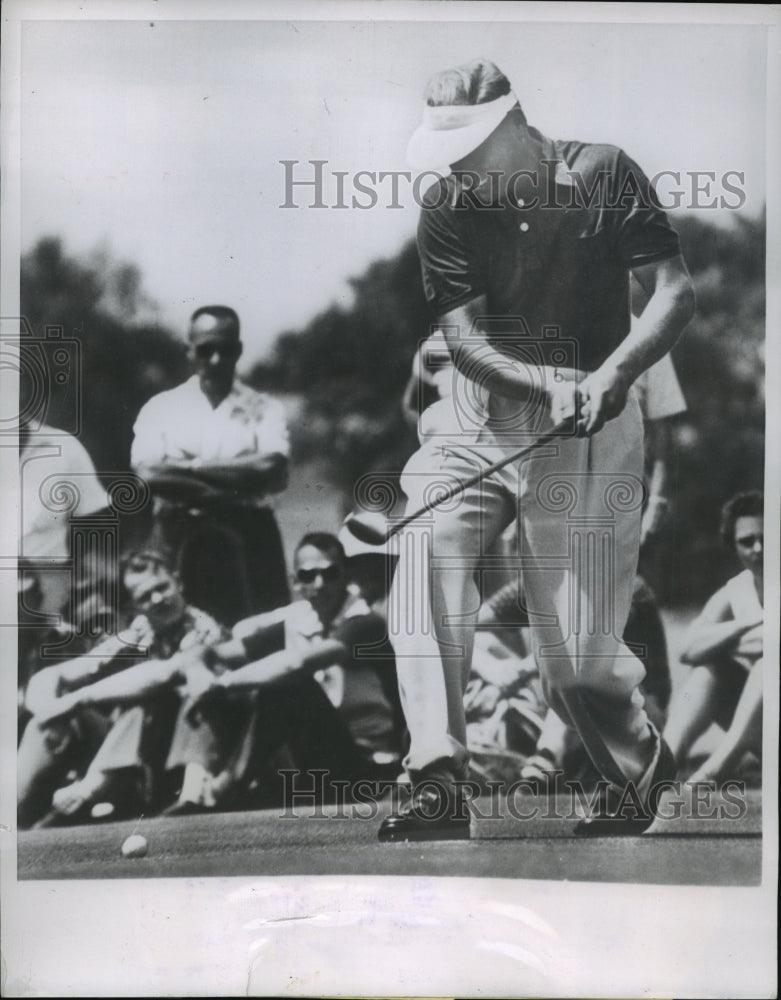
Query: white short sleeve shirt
x,y
58,482
180,425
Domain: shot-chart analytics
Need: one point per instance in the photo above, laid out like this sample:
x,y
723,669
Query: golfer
x,y
526,249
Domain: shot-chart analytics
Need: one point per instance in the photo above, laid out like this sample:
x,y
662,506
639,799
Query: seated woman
x,y
725,649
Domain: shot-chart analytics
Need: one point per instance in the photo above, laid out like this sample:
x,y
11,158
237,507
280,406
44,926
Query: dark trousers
x,y
289,723
230,559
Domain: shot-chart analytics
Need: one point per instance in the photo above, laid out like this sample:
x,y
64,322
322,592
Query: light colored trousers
x,y
577,503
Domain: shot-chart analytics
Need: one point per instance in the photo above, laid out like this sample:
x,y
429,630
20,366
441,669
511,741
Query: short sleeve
x,y
272,430
264,642
451,275
148,446
642,231
76,462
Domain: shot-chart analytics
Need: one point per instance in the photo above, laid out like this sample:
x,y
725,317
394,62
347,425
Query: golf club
x,y
372,528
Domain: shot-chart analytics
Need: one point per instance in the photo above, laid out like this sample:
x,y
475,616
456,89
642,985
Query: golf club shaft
x,y
459,487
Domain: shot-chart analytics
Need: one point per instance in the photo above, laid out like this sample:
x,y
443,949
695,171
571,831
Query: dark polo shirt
x,y
556,269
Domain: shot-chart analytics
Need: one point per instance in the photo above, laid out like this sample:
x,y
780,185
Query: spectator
x,y
101,717
39,645
501,665
505,708
322,675
369,570
214,452
58,485
725,648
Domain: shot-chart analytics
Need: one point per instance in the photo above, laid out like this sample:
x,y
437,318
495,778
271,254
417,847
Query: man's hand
x,y
564,402
139,633
480,700
603,396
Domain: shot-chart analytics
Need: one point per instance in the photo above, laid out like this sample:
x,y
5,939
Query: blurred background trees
x,y
344,373
126,354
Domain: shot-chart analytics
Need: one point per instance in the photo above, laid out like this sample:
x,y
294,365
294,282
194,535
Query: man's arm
x,y
53,682
716,631
476,358
246,473
323,653
500,374
194,481
183,476
127,686
670,306
263,468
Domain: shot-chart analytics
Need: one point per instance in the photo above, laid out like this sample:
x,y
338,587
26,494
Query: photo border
x,y
195,936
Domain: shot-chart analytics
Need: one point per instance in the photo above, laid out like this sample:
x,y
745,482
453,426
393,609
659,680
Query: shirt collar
x,y
237,394
551,159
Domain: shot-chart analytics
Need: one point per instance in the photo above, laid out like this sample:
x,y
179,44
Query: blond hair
x,y
476,82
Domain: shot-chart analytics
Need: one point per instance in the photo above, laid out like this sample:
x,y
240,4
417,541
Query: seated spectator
x,y
38,643
725,649
55,467
504,707
103,719
322,677
557,746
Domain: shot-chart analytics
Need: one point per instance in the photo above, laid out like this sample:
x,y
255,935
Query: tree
x,y
123,360
350,366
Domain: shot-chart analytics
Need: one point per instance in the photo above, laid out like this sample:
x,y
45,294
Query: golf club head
x,y
370,528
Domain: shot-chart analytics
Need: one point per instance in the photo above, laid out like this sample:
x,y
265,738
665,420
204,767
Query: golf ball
x,y
135,846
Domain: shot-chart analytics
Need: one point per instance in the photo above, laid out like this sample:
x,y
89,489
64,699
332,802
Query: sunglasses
x,y
751,540
328,573
205,351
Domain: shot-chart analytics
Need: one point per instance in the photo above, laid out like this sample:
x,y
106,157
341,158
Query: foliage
x,y
720,363
125,354
347,369
351,366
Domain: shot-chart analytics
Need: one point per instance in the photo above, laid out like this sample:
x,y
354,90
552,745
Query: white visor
x,y
448,133
354,547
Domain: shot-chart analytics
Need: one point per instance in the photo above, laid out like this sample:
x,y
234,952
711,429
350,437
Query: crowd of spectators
x,y
218,671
